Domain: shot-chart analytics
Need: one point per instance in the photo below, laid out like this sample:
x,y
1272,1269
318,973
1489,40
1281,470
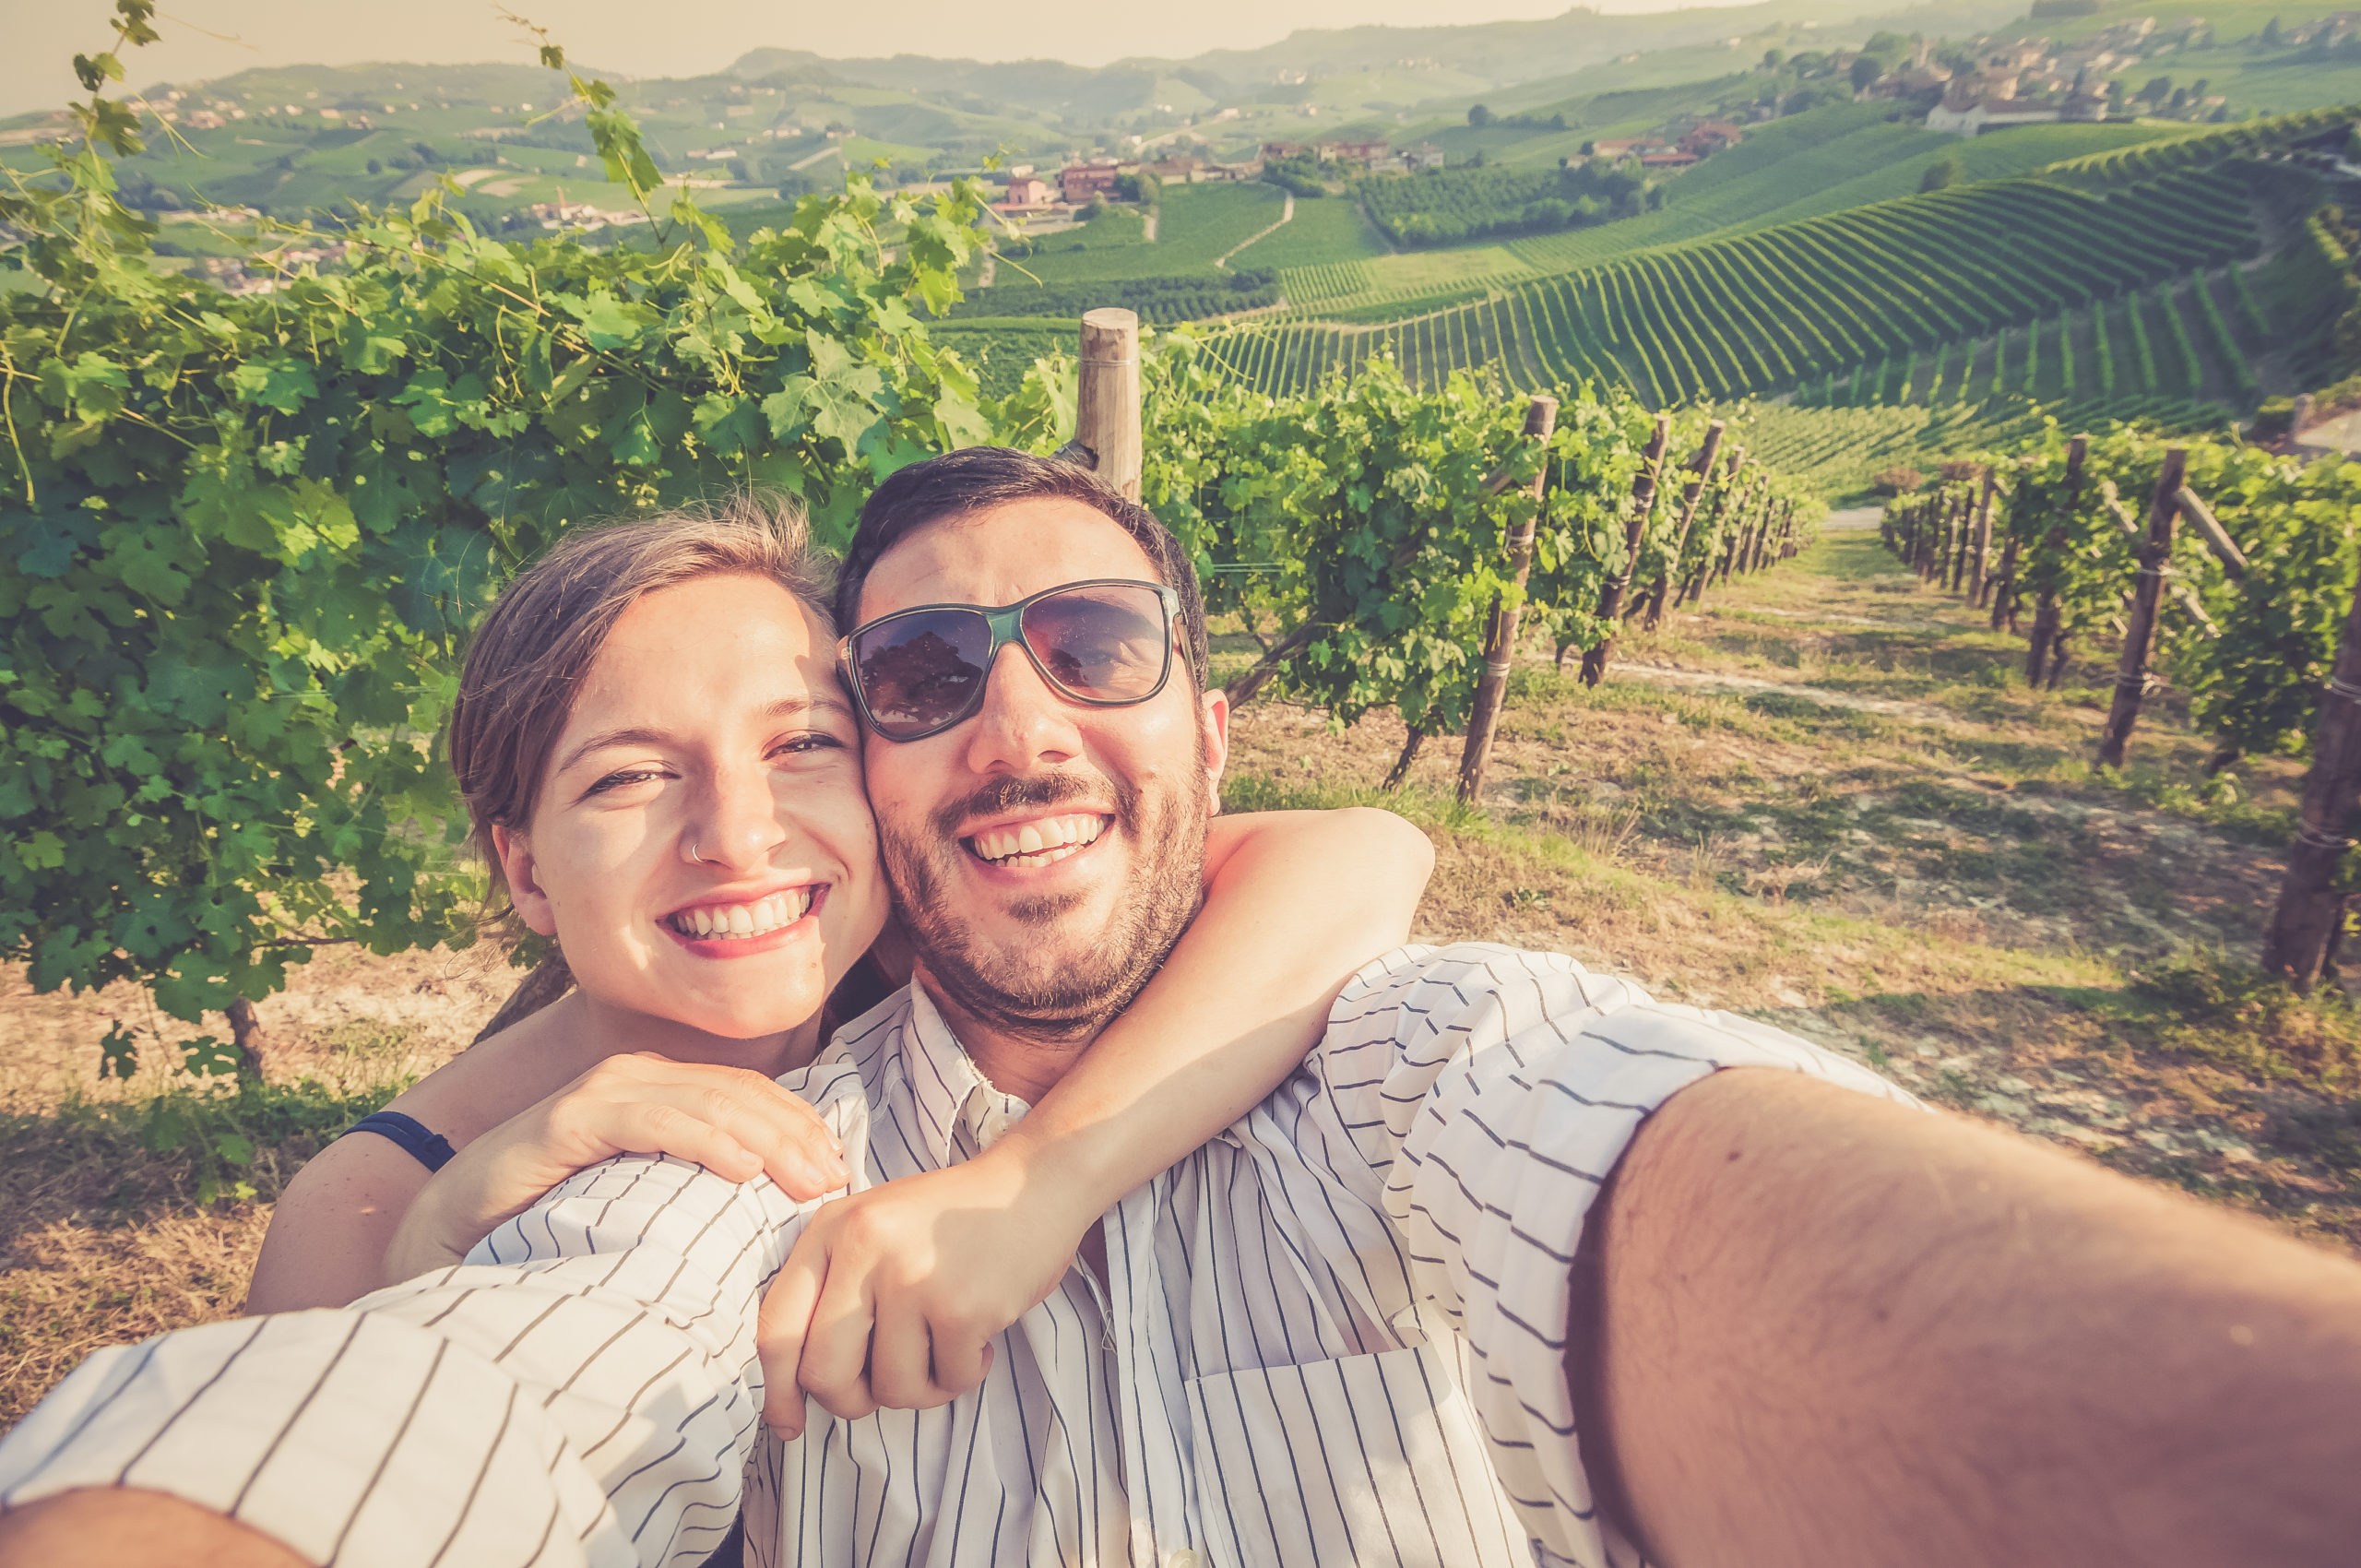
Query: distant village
x,y
2009,83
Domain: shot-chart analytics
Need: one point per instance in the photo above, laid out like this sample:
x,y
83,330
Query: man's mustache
x,y
1035,792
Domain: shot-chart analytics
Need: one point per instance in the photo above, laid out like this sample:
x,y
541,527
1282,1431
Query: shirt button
x,y
1184,1558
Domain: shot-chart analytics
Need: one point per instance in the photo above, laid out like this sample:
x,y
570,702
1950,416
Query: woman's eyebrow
x,y
787,708
629,737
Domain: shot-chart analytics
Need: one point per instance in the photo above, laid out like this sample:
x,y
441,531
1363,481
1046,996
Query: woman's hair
x,y
532,653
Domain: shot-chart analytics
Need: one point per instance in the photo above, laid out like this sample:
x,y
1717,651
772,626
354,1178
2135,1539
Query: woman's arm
x,y
891,1295
365,1214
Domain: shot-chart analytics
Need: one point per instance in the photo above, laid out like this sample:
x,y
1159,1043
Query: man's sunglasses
x,y
917,673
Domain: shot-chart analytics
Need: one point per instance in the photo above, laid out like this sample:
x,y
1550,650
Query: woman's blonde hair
x,y
534,650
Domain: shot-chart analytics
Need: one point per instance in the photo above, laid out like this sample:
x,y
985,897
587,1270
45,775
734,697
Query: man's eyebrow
x,y
639,735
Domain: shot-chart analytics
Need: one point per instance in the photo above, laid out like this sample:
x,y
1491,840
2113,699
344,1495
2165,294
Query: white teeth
x,y
729,921
1041,843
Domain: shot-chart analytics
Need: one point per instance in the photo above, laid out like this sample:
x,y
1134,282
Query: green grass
x,y
1324,232
1196,225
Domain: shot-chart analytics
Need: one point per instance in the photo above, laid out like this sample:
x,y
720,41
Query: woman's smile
x,y
741,927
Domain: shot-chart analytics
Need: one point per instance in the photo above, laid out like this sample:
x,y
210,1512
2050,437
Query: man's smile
x,y
1036,842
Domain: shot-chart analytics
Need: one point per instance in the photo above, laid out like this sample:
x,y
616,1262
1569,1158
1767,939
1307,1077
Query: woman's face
x,y
701,847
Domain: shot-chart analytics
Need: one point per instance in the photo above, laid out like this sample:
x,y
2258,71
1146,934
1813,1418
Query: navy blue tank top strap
x,y
430,1149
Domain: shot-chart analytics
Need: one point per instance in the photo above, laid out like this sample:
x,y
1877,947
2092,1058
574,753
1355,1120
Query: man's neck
x,y
1012,1060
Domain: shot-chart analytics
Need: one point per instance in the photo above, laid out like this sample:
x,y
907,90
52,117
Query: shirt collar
x,y
951,1094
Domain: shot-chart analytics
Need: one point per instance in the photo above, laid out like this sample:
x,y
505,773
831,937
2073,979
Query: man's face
x,y
1045,853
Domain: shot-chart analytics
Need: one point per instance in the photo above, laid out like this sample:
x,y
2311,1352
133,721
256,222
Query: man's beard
x,y
1091,976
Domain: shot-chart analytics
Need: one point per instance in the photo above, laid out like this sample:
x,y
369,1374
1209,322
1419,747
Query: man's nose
x,y
737,822
1025,725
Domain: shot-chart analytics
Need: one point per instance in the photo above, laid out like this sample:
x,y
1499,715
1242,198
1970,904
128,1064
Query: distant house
x,y
1967,114
1370,152
1426,155
1284,150
1667,160
1173,171
1910,83
1711,136
1026,193
1079,182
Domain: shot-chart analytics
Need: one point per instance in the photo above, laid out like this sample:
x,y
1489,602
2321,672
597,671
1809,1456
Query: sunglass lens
x,y
1106,643
921,673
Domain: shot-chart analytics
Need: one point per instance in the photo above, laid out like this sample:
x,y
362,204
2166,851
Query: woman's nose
x,y
738,824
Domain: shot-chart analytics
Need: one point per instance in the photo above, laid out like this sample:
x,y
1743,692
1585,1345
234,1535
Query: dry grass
x,y
1826,801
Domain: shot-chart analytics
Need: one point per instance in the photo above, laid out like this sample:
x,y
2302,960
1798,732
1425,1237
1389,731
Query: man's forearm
x,y
1811,1327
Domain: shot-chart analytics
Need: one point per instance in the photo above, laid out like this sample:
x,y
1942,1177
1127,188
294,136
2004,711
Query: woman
x,y
662,771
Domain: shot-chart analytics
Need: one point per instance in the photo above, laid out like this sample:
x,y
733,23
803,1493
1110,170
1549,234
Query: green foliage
x,y
1160,300
1942,172
242,539
2259,685
1448,206
1379,545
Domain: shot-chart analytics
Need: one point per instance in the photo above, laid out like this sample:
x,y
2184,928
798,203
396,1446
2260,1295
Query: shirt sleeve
x,y
590,1398
1492,1091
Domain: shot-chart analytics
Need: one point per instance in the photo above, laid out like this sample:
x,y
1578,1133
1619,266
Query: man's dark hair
x,y
977,479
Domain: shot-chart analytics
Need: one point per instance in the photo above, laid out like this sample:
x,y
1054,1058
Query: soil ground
x,y
1826,797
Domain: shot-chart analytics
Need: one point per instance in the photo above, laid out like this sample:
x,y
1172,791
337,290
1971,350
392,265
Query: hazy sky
x,y
679,37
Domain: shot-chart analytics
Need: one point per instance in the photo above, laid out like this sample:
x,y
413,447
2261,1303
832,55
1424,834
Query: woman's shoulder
x,y
492,1079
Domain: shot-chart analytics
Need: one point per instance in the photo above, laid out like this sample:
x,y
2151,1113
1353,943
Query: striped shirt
x,y
1332,1335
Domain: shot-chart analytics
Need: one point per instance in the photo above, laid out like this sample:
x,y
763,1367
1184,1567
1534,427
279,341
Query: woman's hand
x,y
733,1122
893,1296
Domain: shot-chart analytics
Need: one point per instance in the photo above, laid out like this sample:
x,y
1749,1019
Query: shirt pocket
x,y
1361,1462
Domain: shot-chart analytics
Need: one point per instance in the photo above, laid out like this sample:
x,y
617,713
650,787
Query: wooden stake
x,y
1107,402
2045,607
1982,550
1707,455
2140,634
1500,634
1644,503
2301,942
1693,588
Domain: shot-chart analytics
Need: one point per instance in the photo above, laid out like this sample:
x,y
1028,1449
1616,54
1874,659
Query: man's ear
x,y
532,904
1215,725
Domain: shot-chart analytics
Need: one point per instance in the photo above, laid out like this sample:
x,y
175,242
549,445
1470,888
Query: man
x,y
1509,1272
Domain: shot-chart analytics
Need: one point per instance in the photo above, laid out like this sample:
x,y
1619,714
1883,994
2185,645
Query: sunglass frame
x,y
1007,623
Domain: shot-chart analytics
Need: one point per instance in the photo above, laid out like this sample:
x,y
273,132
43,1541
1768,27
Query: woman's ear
x,y
533,906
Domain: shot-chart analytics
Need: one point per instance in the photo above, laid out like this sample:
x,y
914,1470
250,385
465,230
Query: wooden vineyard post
x,y
2053,545
1707,456
1961,536
1692,589
1643,503
1981,551
1106,399
2140,633
2301,942
1499,632
1739,525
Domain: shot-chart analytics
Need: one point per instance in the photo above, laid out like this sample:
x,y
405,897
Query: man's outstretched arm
x,y
1809,1327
